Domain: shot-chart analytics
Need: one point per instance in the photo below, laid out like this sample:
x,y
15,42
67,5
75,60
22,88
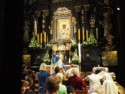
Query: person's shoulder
x,y
64,86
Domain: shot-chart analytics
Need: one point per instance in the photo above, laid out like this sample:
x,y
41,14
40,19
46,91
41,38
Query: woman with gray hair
x,y
42,75
76,81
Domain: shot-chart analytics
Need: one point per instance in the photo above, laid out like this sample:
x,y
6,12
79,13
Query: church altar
x,y
66,66
36,68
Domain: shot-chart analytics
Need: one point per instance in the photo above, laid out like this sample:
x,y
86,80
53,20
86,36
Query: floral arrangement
x,y
46,58
33,43
91,40
73,42
48,45
75,58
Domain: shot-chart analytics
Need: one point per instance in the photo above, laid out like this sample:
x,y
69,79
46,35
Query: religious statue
x,y
26,32
107,26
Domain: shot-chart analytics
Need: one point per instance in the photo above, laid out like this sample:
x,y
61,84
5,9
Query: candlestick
x,y
45,37
79,34
86,34
97,33
40,37
35,26
37,38
83,36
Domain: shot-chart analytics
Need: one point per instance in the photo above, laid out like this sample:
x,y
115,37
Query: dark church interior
x,y
30,33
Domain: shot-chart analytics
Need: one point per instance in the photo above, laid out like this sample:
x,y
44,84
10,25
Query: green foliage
x,y
48,45
46,58
91,40
75,58
73,43
33,43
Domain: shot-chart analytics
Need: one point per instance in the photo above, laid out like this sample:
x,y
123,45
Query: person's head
x,y
54,54
57,69
57,52
29,72
64,26
52,85
24,68
70,90
59,76
75,71
97,71
42,66
106,69
25,83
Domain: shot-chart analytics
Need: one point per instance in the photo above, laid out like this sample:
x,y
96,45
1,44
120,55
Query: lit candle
x,y
97,33
79,49
79,34
37,38
40,37
35,26
83,36
86,34
44,36
50,31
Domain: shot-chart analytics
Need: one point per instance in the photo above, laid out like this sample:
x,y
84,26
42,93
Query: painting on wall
x,y
26,59
63,29
62,25
109,58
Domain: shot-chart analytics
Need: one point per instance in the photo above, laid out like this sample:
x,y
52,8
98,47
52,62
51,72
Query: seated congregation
x,y
98,81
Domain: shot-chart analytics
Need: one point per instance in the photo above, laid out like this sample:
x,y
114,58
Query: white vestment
x,y
109,86
94,83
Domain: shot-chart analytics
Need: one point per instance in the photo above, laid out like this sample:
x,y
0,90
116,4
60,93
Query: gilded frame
x,y
62,26
109,58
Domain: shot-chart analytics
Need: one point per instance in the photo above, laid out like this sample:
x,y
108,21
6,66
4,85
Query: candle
x,y
79,49
50,31
86,34
97,33
37,38
35,26
83,36
40,37
44,36
79,34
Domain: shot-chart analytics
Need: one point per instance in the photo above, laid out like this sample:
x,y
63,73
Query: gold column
x,y
97,33
87,35
35,26
79,34
83,36
45,37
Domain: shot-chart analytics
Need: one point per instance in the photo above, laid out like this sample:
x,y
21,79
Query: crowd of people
x,y
62,81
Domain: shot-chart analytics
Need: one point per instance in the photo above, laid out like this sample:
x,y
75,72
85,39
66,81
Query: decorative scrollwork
x,y
62,11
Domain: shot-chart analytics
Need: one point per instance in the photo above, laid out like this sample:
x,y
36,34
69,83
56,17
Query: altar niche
x,y
62,32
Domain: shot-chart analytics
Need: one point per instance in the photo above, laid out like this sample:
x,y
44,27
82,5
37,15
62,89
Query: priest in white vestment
x,y
94,83
109,86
